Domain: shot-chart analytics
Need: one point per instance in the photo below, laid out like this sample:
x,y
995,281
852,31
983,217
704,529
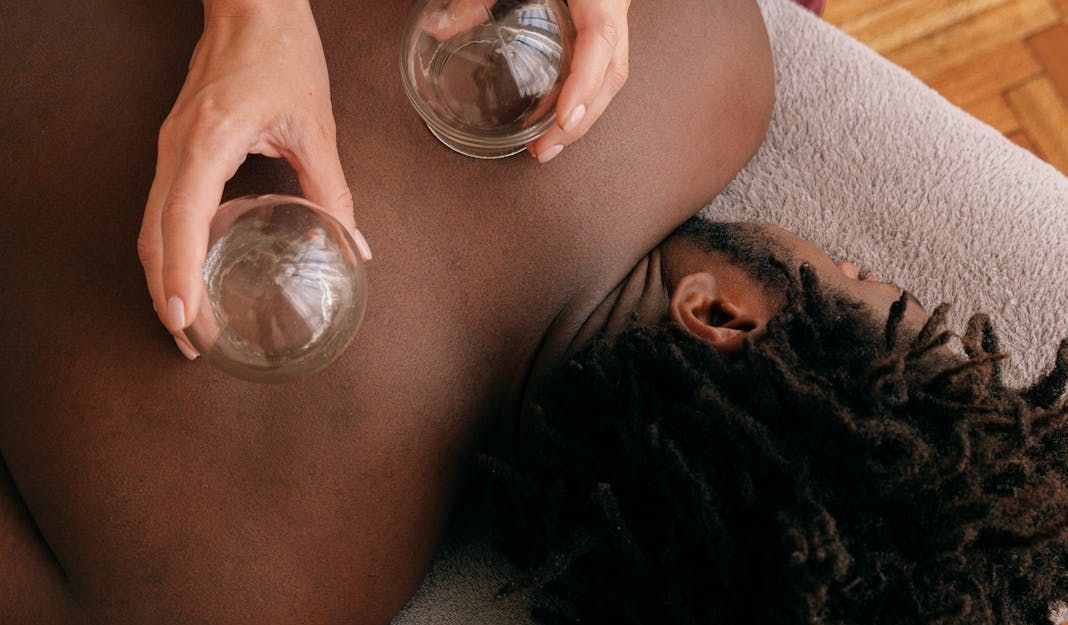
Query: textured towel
x,y
873,166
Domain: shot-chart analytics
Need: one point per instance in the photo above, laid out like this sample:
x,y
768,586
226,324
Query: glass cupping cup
x,y
284,289
485,75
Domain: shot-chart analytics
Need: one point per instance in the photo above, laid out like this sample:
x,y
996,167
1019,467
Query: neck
x,y
640,299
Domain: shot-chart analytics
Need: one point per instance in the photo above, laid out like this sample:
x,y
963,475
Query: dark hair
x,y
837,472
745,244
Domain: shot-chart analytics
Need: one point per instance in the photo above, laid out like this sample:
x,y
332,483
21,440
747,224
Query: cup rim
x,y
464,142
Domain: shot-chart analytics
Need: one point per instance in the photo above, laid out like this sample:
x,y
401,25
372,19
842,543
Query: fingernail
x,y
176,313
575,118
187,350
361,246
550,154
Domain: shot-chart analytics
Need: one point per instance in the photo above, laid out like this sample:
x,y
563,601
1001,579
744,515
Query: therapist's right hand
x,y
257,84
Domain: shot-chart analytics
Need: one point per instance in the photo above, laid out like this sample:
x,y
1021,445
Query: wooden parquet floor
x,y
1003,61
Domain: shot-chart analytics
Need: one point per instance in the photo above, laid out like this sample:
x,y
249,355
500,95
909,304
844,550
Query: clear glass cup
x,y
284,289
485,74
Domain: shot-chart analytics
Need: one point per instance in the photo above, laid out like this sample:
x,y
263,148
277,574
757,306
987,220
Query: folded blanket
x,y
870,164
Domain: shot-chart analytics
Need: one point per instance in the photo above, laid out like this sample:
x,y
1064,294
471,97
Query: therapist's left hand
x,y
598,71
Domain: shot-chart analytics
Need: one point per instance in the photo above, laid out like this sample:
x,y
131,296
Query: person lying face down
x,y
138,487
782,439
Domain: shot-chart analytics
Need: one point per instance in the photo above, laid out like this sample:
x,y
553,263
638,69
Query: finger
x,y
599,34
185,218
150,241
459,16
322,178
318,165
150,252
551,144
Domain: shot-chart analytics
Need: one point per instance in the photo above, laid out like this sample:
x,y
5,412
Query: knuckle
x,y
577,134
609,33
617,77
210,124
345,201
168,139
207,110
175,208
167,129
147,251
204,120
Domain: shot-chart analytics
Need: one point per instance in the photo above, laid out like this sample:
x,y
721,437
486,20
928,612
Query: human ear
x,y
698,305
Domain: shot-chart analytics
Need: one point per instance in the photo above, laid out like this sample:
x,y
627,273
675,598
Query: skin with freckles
x,y
144,488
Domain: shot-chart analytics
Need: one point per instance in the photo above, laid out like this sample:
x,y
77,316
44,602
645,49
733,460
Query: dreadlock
x,y
836,472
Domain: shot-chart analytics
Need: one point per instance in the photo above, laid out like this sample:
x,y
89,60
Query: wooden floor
x,y
1004,61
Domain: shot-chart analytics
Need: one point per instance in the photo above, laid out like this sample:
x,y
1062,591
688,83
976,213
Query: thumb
x,y
322,179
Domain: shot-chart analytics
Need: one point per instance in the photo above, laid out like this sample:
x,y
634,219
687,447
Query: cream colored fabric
x,y
869,163
873,166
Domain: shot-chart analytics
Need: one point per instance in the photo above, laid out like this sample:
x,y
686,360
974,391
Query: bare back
x,y
144,488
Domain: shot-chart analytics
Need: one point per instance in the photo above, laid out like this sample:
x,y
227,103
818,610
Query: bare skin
x,y
713,298
142,488
720,303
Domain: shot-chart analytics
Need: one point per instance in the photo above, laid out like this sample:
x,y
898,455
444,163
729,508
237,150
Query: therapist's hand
x,y
257,84
598,71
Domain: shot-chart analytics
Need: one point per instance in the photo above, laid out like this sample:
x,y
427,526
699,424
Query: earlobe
x,y
698,306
